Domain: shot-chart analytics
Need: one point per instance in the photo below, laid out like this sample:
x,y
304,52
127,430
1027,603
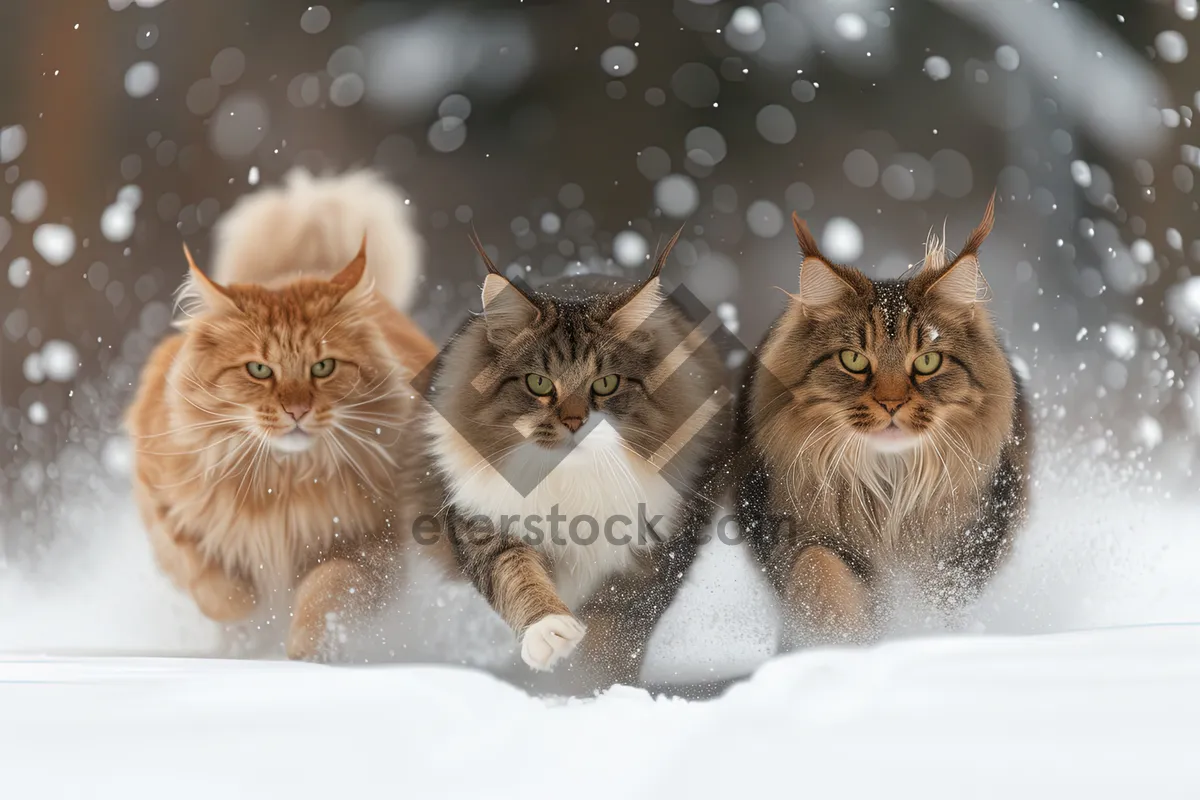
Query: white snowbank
x,y
1090,714
1101,714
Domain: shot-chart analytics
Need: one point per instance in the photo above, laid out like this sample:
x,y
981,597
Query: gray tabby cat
x,y
885,436
576,431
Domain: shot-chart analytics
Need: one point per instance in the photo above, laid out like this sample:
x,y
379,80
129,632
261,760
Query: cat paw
x,y
320,644
306,645
222,598
550,639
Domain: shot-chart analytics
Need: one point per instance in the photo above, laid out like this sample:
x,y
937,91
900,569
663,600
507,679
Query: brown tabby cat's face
x,y
890,363
290,368
886,366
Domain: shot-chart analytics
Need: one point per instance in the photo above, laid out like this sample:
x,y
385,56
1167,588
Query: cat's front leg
x,y
333,595
825,601
220,596
622,614
549,640
341,593
515,579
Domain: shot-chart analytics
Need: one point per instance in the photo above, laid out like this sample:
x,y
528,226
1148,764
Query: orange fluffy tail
x,y
313,226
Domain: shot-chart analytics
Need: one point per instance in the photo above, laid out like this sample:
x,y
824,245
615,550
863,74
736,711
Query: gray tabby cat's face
x,y
545,370
574,367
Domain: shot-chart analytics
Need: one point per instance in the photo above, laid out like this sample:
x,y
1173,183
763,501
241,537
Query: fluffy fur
x,y
860,470
316,224
291,488
510,459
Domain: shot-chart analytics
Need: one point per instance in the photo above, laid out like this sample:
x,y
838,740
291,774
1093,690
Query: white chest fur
x,y
603,496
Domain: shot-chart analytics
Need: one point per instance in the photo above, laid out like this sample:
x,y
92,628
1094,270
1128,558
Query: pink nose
x,y
573,423
297,410
891,406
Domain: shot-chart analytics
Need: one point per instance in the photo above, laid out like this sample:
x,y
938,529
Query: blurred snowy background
x,y
577,135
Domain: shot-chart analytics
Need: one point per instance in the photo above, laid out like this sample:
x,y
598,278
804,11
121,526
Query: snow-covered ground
x,y
1104,559
1099,714
1076,675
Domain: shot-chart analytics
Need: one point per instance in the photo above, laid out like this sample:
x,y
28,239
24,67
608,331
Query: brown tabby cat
x,y
576,432
885,436
270,461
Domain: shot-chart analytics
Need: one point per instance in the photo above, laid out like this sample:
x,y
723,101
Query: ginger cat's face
x,y
298,369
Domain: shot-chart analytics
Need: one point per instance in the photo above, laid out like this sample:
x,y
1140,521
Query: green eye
x,y
539,384
258,370
323,368
606,385
854,361
928,363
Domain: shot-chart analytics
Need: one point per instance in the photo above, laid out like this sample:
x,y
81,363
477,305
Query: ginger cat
x,y
271,459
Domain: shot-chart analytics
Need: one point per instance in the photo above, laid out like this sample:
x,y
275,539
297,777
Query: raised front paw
x,y
550,639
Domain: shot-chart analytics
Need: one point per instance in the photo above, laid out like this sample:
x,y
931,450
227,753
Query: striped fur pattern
x,y
884,438
637,461
286,490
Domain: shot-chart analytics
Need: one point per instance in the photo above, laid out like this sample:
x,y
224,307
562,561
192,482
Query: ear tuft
x,y
975,240
962,282
487,260
935,251
661,261
808,244
641,303
790,295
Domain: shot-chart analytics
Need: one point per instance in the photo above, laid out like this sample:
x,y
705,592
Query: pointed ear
x,y
200,294
820,284
506,309
642,302
975,240
808,244
959,282
640,305
351,275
